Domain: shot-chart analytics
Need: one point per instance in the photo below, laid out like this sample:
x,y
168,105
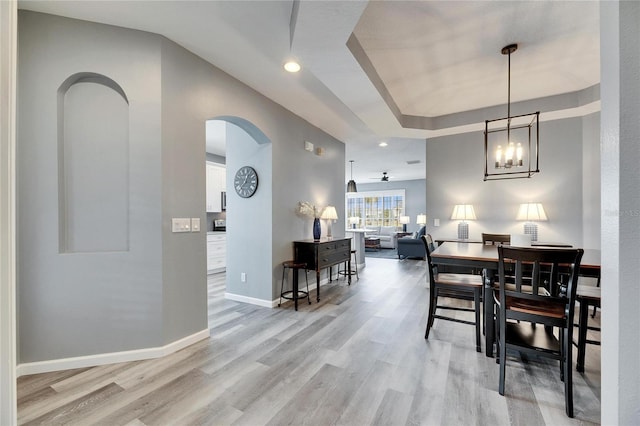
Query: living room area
x,y
391,214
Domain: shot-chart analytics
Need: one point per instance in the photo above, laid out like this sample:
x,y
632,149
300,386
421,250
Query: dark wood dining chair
x,y
538,298
495,239
457,286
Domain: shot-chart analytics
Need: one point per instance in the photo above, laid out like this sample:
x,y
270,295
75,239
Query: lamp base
x,y
531,229
463,231
329,236
404,227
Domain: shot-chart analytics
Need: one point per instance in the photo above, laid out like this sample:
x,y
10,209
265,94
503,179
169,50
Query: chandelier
x,y
511,143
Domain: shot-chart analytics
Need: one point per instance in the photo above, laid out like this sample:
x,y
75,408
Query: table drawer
x,y
336,256
333,246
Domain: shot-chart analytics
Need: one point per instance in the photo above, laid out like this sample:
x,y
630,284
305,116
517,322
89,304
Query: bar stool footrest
x,y
289,295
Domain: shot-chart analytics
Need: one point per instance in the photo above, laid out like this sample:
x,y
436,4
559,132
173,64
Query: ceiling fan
x,y
385,177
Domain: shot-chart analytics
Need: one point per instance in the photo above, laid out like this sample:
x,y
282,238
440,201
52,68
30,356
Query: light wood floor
x,y
356,358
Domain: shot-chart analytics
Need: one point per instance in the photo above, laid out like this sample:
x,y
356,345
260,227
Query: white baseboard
x,y
247,299
273,303
109,358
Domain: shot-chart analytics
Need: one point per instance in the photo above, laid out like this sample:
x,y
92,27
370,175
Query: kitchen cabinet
x,y
216,252
216,185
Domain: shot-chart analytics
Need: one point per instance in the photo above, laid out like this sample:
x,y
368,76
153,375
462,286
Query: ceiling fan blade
x,y
385,177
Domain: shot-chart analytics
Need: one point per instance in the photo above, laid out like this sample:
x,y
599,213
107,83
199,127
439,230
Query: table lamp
x,y
421,219
404,220
531,212
329,214
463,212
354,221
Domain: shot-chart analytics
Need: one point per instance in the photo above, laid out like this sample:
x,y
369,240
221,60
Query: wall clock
x,y
246,181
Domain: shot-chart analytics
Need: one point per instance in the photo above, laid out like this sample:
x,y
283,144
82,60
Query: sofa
x,y
412,246
387,235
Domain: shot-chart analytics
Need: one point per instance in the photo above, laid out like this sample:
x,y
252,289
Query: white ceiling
x,y
394,71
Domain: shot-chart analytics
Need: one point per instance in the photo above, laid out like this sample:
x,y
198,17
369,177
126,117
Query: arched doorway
x,y
239,225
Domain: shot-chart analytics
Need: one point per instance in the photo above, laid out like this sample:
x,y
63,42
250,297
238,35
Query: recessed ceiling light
x,y
382,144
292,66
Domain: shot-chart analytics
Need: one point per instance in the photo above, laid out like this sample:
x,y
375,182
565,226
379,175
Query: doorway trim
x,y
8,69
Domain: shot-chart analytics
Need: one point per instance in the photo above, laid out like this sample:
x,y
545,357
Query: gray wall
x,y
415,196
77,304
591,180
249,219
73,304
455,167
184,262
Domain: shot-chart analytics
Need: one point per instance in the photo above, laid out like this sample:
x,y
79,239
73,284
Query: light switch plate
x,y
195,224
180,224
308,146
436,222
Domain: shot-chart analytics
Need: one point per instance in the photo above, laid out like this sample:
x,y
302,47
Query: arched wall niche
x,y
93,165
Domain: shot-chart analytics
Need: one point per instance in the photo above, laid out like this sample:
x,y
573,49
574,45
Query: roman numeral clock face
x,y
246,182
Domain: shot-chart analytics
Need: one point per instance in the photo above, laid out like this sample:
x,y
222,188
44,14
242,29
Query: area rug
x,y
383,253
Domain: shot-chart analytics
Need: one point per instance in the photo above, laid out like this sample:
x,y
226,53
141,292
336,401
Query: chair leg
x,y
307,278
476,302
568,371
595,308
562,336
355,261
583,318
282,284
433,297
503,357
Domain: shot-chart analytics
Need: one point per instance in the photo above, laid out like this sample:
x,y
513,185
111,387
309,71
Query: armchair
x,y
412,246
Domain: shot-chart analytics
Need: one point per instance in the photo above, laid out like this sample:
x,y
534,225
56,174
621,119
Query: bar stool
x,y
295,267
352,271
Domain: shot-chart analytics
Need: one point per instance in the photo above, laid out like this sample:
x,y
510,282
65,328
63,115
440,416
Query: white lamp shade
x,y
354,220
405,219
463,212
329,213
531,212
421,219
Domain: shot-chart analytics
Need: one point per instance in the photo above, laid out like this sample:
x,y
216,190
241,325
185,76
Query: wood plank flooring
x,y
356,358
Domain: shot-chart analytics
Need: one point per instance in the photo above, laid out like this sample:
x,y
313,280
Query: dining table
x,y
485,257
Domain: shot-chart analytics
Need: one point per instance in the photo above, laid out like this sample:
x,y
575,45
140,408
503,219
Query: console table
x,y
319,255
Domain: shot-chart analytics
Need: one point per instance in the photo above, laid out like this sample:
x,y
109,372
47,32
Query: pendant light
x,y
515,133
351,185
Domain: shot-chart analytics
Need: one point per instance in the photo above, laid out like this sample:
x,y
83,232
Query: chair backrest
x,y
429,246
495,239
543,277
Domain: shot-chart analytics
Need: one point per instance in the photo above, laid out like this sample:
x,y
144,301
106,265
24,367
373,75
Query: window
x,y
376,208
